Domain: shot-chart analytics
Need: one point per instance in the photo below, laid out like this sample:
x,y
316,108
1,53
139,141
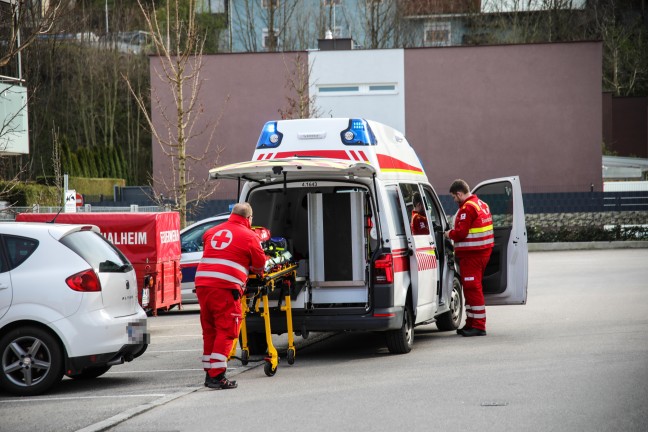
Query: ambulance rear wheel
x,y
401,341
451,320
267,368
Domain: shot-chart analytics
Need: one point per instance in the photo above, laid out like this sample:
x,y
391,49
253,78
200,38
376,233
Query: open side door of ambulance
x,y
506,275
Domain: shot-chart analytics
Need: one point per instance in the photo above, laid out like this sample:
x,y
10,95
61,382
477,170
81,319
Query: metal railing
x,y
9,213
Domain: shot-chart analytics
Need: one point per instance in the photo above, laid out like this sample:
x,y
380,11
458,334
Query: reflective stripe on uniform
x,y
225,262
474,243
219,275
221,363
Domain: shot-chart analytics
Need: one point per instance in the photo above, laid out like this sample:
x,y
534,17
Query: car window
x,y
432,206
192,239
396,212
499,197
97,251
19,249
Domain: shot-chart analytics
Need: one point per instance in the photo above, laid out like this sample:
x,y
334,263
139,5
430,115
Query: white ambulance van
x,y
340,192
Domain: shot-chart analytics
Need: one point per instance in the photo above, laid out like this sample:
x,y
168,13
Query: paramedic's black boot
x,y
221,383
468,332
206,378
461,330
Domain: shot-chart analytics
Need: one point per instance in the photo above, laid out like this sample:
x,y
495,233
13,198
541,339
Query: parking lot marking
x,y
159,370
49,399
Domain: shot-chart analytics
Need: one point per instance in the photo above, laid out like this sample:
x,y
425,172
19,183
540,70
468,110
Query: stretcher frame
x,y
257,291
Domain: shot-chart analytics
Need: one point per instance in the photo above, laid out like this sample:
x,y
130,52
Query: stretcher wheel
x,y
267,368
291,356
245,358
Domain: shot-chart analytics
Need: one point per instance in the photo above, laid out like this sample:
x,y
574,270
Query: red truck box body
x,y
151,242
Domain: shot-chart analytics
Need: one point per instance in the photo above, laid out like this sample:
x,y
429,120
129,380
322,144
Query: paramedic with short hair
x,y
231,251
473,238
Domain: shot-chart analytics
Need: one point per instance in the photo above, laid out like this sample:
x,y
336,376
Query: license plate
x,y
137,332
145,297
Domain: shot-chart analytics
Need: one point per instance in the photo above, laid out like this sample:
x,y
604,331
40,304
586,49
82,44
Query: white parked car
x,y
191,243
68,306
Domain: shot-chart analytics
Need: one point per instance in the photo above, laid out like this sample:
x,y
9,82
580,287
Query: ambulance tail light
x,y
358,133
383,269
270,137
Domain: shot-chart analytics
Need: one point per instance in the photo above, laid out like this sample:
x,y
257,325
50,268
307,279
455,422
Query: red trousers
x,y
471,268
220,318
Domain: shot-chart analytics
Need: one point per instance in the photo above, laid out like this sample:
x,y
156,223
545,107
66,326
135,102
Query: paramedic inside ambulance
x,y
473,239
419,223
231,251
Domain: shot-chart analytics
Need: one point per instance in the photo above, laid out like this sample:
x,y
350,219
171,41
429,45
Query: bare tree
x,y
299,104
274,15
179,48
22,22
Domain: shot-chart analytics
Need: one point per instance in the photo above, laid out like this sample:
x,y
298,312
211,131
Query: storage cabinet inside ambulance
x,y
328,230
505,277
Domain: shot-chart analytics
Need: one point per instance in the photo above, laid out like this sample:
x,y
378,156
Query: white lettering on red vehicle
x,y
169,236
126,238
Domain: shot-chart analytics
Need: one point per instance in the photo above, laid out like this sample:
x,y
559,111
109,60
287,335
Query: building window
x,y
437,34
266,3
360,90
266,34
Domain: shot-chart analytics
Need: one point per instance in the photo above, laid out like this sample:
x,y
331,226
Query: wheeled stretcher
x,y
255,301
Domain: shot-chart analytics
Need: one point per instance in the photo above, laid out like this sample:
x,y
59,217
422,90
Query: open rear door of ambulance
x,y
506,276
274,170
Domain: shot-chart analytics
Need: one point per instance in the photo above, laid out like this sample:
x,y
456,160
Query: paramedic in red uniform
x,y
231,251
419,224
473,243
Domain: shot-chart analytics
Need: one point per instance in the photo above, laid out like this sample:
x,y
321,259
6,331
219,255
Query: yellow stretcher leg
x,y
272,361
289,327
245,351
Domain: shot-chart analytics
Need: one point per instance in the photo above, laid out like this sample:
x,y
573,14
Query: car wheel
x,y
32,361
401,341
90,373
451,320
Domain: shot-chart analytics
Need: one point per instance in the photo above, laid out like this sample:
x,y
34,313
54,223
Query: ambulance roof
x,y
328,146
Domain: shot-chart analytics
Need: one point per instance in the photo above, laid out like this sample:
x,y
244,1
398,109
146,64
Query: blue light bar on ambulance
x,y
358,133
270,136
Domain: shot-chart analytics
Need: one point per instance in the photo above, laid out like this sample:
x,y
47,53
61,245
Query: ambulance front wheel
x,y
269,371
291,356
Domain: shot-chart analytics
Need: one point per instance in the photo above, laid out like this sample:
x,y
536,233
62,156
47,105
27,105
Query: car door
x,y
423,258
506,275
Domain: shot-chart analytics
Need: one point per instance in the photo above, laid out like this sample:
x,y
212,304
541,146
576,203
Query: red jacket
x,y
419,224
231,250
473,227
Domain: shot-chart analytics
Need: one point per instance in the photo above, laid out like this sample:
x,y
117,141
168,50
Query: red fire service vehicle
x,y
150,241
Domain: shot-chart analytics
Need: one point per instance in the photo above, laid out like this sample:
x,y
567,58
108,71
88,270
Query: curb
x,y
565,246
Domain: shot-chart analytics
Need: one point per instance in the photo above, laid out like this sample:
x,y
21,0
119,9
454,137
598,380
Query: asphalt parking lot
x,y
573,358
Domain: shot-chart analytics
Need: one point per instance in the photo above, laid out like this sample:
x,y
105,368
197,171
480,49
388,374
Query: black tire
x,y
451,320
267,368
256,343
290,355
31,361
401,341
245,358
90,373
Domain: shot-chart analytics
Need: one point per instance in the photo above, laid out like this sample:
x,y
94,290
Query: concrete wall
x,y
246,90
365,70
527,110
471,112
